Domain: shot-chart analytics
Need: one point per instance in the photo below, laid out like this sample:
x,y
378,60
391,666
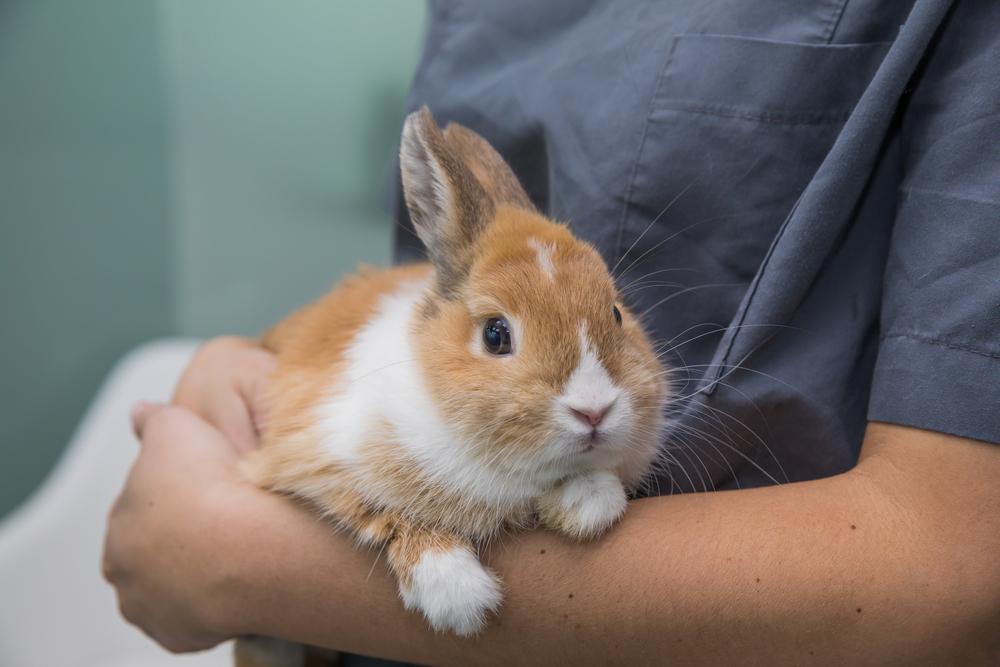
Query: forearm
x,y
838,568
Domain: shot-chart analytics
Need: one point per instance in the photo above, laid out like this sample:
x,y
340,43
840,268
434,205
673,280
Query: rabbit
x,y
429,408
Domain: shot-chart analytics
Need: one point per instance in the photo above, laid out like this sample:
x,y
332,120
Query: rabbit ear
x,y
447,205
492,172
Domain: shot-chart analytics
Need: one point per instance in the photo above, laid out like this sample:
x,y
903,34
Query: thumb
x,y
252,385
140,414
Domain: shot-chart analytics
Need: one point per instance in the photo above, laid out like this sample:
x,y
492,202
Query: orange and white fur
x,y
396,414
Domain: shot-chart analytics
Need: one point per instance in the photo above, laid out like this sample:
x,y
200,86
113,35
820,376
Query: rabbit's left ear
x,y
489,168
447,204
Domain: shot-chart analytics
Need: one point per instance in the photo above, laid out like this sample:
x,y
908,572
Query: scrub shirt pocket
x,y
736,129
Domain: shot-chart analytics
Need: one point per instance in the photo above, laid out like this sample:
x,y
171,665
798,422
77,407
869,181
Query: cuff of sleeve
x,y
935,386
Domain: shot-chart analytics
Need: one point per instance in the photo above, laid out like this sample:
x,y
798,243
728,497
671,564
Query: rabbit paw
x,y
585,506
453,590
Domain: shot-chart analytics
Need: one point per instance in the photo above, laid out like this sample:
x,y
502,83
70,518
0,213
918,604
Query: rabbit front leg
x,y
441,576
584,506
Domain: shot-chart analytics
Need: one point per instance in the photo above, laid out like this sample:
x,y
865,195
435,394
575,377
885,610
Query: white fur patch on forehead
x,y
543,252
590,386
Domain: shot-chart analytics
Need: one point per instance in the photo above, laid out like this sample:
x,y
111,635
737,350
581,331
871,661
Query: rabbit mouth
x,y
595,439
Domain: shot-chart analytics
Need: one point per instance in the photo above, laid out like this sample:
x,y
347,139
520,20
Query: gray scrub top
x,y
802,196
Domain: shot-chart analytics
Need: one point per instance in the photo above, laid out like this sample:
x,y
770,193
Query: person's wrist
x,y
228,602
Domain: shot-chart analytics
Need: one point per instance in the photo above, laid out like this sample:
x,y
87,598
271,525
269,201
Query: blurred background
x,y
178,168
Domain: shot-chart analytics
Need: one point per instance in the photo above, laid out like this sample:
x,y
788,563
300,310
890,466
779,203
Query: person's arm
x,y
894,561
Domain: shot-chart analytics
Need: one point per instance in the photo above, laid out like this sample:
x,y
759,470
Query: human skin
x,y
893,562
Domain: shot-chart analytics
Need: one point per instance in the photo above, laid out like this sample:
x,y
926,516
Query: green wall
x,y
178,168
284,125
84,233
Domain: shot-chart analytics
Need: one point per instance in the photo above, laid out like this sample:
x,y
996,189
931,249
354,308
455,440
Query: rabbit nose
x,y
591,416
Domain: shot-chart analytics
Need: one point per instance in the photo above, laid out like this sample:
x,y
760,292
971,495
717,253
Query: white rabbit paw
x,y
585,506
453,590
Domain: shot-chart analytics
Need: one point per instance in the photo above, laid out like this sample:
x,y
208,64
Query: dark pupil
x,y
496,336
618,314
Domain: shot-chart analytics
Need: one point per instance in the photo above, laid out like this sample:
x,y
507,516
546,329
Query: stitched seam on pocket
x,y
907,191
940,343
716,92
743,113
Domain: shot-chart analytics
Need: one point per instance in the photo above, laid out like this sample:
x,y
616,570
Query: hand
x,y
224,385
174,530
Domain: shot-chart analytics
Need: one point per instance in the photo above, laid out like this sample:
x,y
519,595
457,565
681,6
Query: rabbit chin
x,y
574,452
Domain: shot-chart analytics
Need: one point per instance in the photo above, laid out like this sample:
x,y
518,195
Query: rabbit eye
x,y
496,336
618,314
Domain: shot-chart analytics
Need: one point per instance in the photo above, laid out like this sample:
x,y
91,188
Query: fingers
x,y
231,414
225,384
252,386
145,412
140,414
173,435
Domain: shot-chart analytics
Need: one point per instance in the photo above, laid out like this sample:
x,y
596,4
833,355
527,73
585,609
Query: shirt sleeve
x,y
938,364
